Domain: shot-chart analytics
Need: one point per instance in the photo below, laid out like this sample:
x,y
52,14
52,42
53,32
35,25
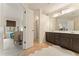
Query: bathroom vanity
x,y
67,40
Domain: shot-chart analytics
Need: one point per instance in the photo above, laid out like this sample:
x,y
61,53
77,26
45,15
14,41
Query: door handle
x,y
24,42
24,27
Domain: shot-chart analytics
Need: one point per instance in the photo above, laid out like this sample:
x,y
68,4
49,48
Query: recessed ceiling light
x,y
63,12
57,14
67,10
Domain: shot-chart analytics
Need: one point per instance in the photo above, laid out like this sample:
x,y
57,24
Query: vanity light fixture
x,y
63,12
67,10
57,14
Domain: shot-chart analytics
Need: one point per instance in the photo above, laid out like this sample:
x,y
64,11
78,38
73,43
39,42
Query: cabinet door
x,y
66,41
50,37
75,44
57,38
47,36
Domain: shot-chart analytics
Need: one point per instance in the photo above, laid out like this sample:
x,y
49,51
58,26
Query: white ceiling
x,y
46,7
70,15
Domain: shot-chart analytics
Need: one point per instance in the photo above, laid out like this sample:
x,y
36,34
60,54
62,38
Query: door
x,y
28,33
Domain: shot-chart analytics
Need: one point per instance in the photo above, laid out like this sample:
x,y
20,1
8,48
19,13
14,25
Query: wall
x,y
1,28
52,24
36,25
12,12
76,23
1,14
44,26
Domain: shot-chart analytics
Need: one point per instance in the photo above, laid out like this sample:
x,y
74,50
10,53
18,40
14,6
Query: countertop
x,y
70,32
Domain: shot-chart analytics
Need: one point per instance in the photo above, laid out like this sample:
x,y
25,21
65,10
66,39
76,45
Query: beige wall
x,y
11,12
76,23
36,24
41,26
52,24
44,26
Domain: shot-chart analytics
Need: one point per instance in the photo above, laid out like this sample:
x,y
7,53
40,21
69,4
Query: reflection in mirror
x,y
68,21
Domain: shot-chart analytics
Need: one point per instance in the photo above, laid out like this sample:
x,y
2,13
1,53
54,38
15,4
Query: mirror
x,y
68,21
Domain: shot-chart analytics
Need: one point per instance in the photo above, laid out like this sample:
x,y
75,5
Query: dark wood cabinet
x,y
66,40
56,38
75,44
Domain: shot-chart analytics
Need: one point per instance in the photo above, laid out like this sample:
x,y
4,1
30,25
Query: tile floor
x,y
10,52
47,50
31,50
42,49
54,51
